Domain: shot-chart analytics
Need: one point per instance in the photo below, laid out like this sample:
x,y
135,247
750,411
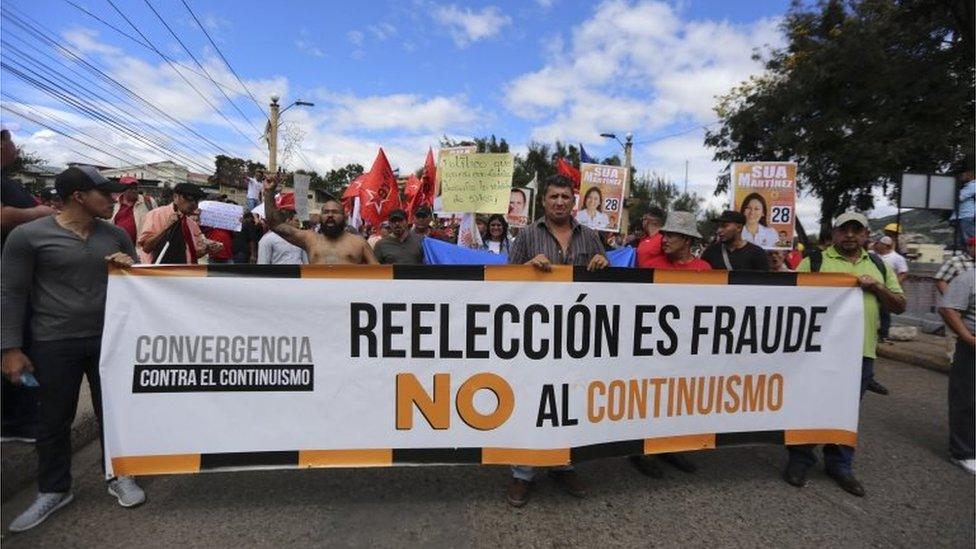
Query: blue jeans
x,y
837,457
252,203
885,322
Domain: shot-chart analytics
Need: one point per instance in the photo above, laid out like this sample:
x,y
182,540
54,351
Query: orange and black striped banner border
x,y
494,273
298,459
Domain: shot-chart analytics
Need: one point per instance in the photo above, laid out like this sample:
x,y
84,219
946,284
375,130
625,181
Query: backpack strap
x,y
880,264
816,260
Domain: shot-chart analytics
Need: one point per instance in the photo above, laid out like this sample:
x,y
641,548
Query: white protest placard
x,y
491,365
221,215
301,195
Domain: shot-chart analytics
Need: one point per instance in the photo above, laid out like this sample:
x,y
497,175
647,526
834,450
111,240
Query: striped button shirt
x,y
536,239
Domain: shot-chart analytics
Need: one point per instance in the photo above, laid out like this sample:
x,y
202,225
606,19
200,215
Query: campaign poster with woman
x,y
765,192
519,207
601,197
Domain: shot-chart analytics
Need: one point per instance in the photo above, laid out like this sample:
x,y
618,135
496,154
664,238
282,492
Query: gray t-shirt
x,y
273,249
390,251
960,296
63,277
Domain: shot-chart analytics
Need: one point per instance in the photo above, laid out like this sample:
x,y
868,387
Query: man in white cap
x,y
881,288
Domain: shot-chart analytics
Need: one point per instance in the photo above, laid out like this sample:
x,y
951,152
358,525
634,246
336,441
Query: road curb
x,y
929,362
18,462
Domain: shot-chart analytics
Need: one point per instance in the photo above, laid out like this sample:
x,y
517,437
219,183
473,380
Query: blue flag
x,y
437,252
585,158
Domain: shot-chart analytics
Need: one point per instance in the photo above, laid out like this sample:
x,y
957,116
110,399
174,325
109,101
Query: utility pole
x,y
273,136
686,177
628,158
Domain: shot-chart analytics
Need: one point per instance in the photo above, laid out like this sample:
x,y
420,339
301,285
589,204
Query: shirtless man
x,y
332,245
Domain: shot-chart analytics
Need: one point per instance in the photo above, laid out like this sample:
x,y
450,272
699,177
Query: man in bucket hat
x,y
679,233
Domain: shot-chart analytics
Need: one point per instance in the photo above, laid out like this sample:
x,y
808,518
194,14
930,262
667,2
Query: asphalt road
x,y
915,498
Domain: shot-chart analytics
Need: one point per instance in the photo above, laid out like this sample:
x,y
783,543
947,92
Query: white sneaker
x,y
43,506
127,491
967,464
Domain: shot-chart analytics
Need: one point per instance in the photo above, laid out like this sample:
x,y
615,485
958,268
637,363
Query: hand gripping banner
x,y
233,367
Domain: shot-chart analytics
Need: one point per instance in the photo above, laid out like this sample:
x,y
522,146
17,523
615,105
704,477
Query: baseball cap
x,y
892,227
848,217
128,180
84,178
422,211
731,216
398,214
189,190
886,240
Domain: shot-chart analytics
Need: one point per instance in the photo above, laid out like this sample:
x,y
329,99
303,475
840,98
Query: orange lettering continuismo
x,y
643,398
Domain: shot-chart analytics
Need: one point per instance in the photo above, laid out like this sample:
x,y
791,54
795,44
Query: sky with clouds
x,y
397,74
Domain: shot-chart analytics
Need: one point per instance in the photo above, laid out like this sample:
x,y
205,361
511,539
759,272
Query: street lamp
x,y
273,124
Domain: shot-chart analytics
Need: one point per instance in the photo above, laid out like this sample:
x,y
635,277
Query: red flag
x,y
413,186
379,193
430,176
566,169
352,191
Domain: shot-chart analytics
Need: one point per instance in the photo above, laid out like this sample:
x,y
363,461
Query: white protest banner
x,y
493,365
301,195
765,192
601,197
221,215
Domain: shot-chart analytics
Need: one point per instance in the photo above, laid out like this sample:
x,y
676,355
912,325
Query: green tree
x,y
863,91
335,181
231,171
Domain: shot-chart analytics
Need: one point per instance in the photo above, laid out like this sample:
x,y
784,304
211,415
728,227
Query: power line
x,y
663,137
204,69
16,112
185,79
226,62
121,32
35,29
86,107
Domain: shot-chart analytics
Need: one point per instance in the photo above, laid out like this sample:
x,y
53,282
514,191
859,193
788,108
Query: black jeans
x,y
19,415
962,435
59,367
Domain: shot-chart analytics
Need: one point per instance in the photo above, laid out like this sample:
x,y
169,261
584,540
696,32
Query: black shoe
x,y
876,387
847,481
795,474
647,465
679,462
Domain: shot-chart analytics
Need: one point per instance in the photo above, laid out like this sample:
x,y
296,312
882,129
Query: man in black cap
x,y
56,267
170,236
733,253
401,246
422,224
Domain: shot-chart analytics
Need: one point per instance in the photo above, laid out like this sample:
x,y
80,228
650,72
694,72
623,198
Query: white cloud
x,y
382,31
641,67
305,44
406,112
466,26
355,37
85,41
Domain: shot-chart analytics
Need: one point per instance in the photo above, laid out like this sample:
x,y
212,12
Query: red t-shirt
x,y
794,258
649,249
224,237
126,219
662,262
